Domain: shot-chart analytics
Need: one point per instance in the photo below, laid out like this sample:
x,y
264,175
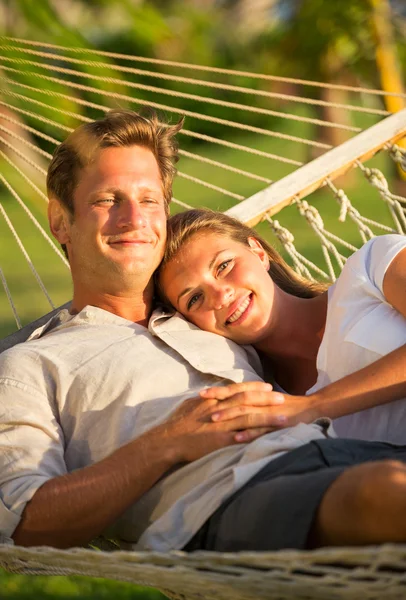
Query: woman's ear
x,y
256,248
59,221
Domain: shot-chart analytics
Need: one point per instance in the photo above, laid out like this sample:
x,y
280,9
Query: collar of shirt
x,y
207,352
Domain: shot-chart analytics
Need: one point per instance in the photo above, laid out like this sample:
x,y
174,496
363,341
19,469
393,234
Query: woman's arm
x,y
378,383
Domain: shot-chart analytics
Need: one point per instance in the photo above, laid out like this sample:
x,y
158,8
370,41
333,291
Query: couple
x,y
104,428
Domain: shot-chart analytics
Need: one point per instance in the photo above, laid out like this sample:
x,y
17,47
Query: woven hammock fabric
x,y
342,573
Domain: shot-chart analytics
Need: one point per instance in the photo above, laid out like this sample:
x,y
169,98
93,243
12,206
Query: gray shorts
x,y
277,507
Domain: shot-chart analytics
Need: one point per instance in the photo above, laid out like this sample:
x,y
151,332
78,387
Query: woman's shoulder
x,y
368,265
373,258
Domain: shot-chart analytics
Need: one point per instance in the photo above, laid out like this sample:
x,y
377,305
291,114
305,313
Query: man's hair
x,y
118,128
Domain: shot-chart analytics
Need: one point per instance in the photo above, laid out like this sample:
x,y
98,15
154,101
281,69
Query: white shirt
x,y
361,327
73,395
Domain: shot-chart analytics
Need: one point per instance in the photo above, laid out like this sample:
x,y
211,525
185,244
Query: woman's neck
x,y
293,340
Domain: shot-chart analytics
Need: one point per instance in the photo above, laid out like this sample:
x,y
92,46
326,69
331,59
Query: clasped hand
x,y
233,414
255,408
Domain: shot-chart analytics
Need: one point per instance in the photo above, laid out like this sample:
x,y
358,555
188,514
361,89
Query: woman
x,y
338,350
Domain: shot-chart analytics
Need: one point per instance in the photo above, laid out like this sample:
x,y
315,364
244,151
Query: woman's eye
x,y
223,265
192,300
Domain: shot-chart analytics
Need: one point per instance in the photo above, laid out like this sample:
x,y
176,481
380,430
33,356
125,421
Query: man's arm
x,y
72,509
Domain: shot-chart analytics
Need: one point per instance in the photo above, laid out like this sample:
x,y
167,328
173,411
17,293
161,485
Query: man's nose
x,y
131,215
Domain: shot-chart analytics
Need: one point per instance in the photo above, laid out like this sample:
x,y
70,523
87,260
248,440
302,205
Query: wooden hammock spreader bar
x,y
312,176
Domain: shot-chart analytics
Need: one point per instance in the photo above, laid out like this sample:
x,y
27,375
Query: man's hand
x,y
255,405
192,432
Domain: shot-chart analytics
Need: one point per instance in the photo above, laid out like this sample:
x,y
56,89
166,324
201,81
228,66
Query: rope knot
x,y
345,204
283,234
398,155
377,178
310,213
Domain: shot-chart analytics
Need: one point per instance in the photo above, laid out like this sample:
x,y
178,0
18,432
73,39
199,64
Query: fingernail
x,y
268,386
203,392
281,419
215,416
278,398
240,437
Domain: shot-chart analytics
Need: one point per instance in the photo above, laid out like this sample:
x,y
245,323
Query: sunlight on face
x,y
118,232
221,286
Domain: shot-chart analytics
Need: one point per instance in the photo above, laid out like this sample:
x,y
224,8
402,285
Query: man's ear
x,y
59,221
256,248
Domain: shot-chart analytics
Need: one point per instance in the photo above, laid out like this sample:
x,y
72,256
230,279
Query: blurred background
x,y
351,43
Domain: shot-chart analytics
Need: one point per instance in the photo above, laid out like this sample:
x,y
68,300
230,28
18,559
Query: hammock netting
x,y
238,154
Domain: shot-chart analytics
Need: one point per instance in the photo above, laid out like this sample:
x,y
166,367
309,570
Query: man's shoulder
x,y
23,334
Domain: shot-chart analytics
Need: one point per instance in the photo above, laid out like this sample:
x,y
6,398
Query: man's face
x,y
118,231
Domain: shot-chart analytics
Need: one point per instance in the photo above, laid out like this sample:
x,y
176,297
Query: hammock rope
x,y
22,247
10,299
188,80
194,134
224,87
205,68
23,156
186,153
339,573
29,213
167,108
48,138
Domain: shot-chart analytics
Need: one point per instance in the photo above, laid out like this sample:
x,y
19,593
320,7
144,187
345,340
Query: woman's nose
x,y
222,296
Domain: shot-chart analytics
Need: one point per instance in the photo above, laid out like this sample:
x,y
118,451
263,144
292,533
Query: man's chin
x,y
134,267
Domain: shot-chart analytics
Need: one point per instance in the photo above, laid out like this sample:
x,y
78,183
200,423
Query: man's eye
x,y
192,300
105,201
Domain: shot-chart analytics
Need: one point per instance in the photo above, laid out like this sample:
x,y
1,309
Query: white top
x,y
75,393
361,327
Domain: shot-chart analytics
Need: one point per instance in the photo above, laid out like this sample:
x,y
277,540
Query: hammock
x,y
33,75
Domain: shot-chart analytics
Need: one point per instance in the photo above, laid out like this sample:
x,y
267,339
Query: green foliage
x,y
27,587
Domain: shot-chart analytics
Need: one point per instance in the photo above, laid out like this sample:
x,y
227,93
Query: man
x,y
102,430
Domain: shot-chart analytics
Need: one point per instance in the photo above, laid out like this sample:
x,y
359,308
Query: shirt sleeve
x,y
383,250
373,259
31,439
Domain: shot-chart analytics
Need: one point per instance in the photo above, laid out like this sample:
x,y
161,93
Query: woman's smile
x,y
238,315
221,285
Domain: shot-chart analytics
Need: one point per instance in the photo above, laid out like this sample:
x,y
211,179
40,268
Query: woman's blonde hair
x,y
184,225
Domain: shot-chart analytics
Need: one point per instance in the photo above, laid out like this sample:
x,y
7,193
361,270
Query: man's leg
x,y
328,492
366,504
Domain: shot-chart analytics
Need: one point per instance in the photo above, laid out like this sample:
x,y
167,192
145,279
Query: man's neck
x,y
136,308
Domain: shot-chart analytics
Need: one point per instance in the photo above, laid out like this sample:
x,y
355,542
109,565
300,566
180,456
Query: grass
x,y
25,587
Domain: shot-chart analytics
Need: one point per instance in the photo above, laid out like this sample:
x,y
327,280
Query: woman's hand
x,y
255,404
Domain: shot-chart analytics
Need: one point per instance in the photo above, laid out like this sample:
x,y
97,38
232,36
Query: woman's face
x,y
222,286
